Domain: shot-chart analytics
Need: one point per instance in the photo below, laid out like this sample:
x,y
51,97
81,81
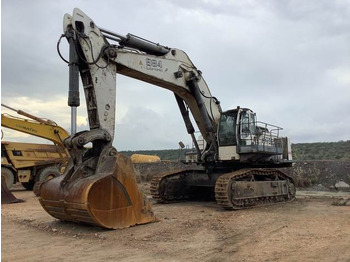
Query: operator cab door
x,y
227,136
247,123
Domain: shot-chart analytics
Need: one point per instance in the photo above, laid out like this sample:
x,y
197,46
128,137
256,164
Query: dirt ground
x,y
308,229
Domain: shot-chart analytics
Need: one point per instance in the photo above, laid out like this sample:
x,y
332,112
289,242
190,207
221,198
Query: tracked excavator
x,y
238,166
28,162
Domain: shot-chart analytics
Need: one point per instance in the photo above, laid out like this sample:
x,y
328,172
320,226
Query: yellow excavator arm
x,y
36,163
51,132
35,126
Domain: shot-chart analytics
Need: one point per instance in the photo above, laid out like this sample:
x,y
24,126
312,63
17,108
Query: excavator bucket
x,y
6,196
109,198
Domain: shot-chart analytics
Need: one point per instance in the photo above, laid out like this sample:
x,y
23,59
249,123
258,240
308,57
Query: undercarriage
x,y
239,189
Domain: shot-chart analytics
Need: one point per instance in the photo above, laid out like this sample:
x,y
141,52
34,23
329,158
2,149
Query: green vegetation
x,y
304,151
322,151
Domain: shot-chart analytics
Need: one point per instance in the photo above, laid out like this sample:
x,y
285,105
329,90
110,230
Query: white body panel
x,y
228,153
100,94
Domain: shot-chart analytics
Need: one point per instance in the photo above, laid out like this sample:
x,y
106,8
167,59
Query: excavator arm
x,y
99,61
39,127
36,126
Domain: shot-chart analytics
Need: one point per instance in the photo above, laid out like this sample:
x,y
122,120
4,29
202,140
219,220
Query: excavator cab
x,y
237,127
242,137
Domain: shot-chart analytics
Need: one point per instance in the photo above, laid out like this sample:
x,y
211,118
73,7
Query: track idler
x,y
100,191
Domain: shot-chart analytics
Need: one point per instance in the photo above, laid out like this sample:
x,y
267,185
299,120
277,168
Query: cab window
x,y
227,129
245,125
16,153
248,123
252,123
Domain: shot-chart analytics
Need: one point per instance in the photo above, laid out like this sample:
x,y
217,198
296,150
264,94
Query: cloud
x,y
340,75
146,127
53,108
286,60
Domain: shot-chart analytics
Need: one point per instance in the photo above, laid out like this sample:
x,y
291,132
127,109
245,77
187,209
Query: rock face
x,y
342,186
308,174
342,202
325,173
146,171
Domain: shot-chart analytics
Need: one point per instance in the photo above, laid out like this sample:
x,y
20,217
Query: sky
x,y
288,61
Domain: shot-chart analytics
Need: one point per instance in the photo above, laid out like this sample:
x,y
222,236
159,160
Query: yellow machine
x,y
140,158
28,162
237,166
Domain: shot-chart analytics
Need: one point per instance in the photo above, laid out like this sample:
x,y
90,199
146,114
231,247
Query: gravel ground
x,y
310,228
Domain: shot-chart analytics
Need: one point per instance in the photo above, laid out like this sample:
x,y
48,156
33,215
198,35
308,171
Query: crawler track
x,y
240,189
170,186
226,184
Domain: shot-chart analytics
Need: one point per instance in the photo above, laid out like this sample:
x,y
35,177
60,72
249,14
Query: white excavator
x,y
239,166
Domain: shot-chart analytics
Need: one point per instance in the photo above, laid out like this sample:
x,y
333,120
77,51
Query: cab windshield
x,y
227,129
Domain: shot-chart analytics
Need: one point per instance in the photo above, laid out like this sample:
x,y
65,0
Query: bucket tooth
x,y
109,198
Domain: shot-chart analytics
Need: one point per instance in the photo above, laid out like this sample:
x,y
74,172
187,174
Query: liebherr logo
x,y
154,64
